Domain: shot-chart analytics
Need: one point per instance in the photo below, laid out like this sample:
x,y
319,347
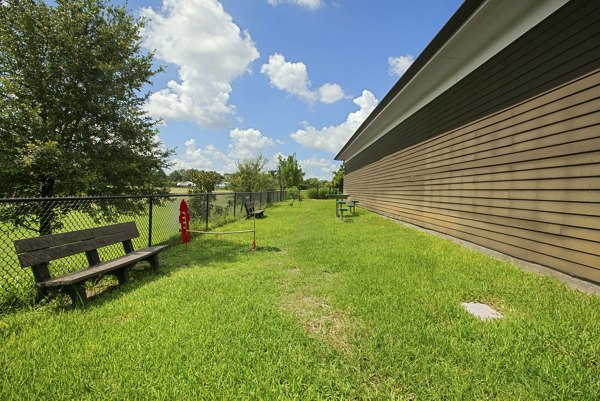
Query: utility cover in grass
x,y
482,311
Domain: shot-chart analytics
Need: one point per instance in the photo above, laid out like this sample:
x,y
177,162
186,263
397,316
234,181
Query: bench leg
x,y
154,262
77,294
122,275
41,295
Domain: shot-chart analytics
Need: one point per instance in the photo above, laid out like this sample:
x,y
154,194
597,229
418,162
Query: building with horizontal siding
x,y
493,134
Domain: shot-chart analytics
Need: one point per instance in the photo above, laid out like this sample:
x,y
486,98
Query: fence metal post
x,y
150,222
234,203
207,205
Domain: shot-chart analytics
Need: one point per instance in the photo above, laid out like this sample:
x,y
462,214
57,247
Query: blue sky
x,y
276,77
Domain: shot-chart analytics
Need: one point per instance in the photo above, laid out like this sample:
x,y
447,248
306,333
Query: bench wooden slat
x,y
52,240
103,268
47,254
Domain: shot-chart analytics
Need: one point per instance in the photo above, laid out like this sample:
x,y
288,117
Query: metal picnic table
x,y
352,206
339,200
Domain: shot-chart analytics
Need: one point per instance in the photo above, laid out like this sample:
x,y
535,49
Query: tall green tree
x,y
71,116
250,177
205,182
177,176
289,172
313,182
338,179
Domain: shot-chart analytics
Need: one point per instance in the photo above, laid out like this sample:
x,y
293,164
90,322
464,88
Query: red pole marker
x,y
184,220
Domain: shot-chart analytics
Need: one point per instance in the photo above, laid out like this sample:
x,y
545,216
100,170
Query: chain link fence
x,y
156,217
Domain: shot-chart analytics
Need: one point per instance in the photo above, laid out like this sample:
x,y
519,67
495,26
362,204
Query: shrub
x,y
320,193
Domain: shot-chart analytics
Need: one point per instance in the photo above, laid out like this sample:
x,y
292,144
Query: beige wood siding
x,y
560,49
509,157
524,181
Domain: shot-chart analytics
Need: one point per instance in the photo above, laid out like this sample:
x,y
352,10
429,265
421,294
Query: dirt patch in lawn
x,y
322,321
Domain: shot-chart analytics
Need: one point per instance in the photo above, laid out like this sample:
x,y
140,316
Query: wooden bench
x,y
251,210
38,252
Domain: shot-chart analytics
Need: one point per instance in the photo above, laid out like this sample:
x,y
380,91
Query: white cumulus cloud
x,y
293,78
399,65
208,158
210,51
248,144
288,76
245,144
318,168
332,138
310,4
331,93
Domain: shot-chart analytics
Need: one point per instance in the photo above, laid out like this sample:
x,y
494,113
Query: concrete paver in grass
x,y
482,311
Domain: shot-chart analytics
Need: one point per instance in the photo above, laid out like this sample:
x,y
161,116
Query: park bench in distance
x,y
39,251
251,210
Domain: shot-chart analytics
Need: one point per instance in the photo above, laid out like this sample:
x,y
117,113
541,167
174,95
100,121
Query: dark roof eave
x,y
463,13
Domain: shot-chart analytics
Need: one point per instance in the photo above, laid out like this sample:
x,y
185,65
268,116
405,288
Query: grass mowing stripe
x,y
363,309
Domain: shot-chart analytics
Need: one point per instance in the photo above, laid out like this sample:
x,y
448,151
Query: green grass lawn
x,y
364,309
